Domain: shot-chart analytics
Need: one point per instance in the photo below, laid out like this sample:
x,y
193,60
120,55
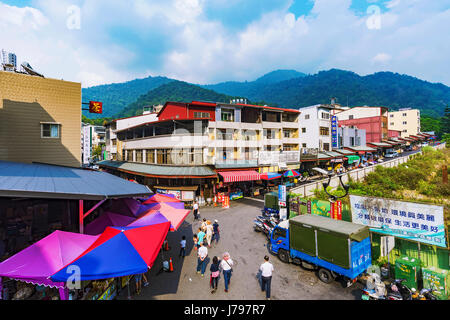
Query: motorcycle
x,y
264,225
424,294
398,291
375,289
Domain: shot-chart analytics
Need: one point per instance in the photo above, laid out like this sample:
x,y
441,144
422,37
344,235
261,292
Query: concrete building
x,y
40,119
405,120
121,124
351,137
315,127
374,120
91,137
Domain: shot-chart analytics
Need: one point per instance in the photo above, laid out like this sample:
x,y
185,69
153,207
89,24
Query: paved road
x,y
247,248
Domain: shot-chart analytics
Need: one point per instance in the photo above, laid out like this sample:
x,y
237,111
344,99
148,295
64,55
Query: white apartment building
x,y
315,127
121,124
91,136
406,120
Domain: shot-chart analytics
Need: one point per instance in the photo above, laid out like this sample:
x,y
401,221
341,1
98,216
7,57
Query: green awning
x,y
352,158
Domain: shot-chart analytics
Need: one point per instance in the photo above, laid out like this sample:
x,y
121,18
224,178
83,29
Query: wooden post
x,y
444,174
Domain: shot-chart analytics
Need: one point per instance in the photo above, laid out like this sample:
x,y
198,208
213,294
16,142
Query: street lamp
x,y
330,174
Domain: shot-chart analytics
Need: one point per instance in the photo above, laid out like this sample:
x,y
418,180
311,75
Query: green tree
x,y
97,152
445,120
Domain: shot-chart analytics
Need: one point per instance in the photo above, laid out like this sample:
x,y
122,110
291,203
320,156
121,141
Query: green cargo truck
x,y
332,247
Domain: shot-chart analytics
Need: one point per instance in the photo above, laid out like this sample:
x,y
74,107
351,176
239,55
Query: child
x,y
214,274
195,242
183,247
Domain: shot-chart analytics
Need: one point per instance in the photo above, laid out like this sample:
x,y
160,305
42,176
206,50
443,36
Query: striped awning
x,y
238,176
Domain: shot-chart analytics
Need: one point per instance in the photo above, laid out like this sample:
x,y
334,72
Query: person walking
x,y
201,236
195,238
215,272
138,278
195,210
216,234
226,265
266,276
209,233
203,225
201,260
183,246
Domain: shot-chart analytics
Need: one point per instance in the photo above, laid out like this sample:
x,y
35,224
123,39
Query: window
x,y
404,114
130,155
279,232
326,146
391,115
404,122
392,124
227,115
114,142
350,117
138,155
303,130
150,156
201,115
303,145
306,116
287,133
50,130
325,115
352,141
324,131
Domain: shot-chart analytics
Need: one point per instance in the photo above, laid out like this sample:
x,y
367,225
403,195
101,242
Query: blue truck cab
x,y
333,248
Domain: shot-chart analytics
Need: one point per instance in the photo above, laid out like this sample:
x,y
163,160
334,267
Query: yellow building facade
x,y
40,120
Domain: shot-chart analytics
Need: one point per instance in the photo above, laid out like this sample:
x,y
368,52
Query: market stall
x,y
107,219
118,252
35,264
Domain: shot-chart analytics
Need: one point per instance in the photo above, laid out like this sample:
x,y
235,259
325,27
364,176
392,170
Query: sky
x,y
208,41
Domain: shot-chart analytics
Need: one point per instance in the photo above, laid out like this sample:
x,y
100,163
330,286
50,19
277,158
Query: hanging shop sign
x,y
95,107
407,220
282,195
336,210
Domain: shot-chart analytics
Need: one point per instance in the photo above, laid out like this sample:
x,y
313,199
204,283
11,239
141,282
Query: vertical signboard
x,y
282,195
334,132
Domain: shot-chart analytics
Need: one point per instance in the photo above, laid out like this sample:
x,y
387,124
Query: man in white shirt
x,y
266,276
195,210
201,261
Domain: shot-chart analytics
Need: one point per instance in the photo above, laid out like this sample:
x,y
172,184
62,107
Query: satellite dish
x,y
27,67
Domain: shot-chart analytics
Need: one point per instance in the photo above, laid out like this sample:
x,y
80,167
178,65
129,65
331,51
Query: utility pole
x,y
444,174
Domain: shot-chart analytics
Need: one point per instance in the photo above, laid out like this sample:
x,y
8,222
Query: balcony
x,y
290,125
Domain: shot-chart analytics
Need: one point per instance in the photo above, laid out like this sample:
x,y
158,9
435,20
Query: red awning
x,y
237,176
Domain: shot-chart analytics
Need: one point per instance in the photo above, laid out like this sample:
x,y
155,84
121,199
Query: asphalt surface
x,y
247,248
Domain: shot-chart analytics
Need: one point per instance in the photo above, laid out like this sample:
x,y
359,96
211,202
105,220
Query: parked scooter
x,y
398,291
375,289
424,294
263,225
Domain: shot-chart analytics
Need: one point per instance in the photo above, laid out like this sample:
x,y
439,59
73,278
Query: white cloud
x,y
411,39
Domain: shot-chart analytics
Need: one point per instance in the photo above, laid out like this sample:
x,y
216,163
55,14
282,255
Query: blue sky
x,y
208,41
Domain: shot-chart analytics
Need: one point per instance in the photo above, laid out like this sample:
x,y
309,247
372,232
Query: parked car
x,y
408,148
391,154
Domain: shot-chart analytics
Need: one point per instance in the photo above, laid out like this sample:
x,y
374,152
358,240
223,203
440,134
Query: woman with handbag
x,y
226,265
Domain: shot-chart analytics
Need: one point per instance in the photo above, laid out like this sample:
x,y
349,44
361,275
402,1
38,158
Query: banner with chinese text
x,y
407,220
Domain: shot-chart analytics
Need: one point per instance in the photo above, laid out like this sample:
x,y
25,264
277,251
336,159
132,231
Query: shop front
x,y
236,184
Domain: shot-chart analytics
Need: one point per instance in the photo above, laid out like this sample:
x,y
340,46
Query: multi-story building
x,y
120,124
407,121
374,120
9,61
190,143
315,127
351,137
40,119
91,137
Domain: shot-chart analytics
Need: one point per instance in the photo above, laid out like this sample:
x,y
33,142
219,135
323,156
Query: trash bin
x,y
438,280
409,269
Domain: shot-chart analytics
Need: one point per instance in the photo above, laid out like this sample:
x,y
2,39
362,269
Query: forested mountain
x,y
117,96
380,89
285,88
175,91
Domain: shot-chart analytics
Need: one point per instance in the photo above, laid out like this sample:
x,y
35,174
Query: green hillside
x,y
176,91
117,96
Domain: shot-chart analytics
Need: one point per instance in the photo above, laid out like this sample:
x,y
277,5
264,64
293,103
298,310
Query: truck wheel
x,y
325,275
283,255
